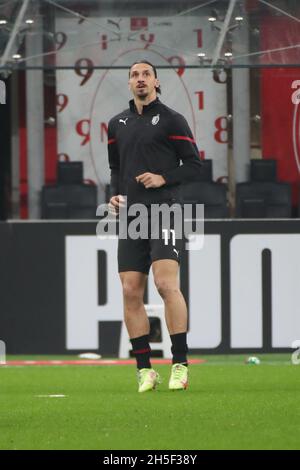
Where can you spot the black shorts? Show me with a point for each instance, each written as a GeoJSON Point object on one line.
{"type": "Point", "coordinates": [138, 254]}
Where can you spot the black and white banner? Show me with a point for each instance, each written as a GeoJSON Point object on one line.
{"type": "Point", "coordinates": [60, 290]}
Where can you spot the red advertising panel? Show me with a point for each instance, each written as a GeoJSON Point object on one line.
{"type": "Point", "coordinates": [280, 90]}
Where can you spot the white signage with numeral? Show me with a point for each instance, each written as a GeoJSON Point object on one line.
{"type": "Point", "coordinates": [87, 98]}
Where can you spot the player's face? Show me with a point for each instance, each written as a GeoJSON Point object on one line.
{"type": "Point", "coordinates": [142, 81]}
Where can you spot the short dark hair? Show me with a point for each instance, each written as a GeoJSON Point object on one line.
{"type": "Point", "coordinates": [157, 88]}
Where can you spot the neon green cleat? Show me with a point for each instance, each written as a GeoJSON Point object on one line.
{"type": "Point", "coordinates": [148, 379]}
{"type": "Point", "coordinates": [179, 377]}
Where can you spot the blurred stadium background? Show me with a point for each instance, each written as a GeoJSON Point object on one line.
{"type": "Point", "coordinates": [231, 67]}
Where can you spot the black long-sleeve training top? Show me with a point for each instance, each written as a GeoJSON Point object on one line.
{"type": "Point", "coordinates": [156, 141]}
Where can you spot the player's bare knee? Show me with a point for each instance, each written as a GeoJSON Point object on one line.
{"type": "Point", "coordinates": [132, 292]}
{"type": "Point", "coordinates": [166, 288]}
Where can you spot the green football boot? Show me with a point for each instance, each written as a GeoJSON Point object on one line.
{"type": "Point", "coordinates": [179, 377]}
{"type": "Point", "coordinates": [148, 379]}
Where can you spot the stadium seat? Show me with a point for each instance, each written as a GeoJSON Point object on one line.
{"type": "Point", "coordinates": [69, 202]}
{"type": "Point", "coordinates": [263, 170]}
{"type": "Point", "coordinates": [212, 195]}
{"type": "Point", "coordinates": [70, 198]}
{"type": "Point", "coordinates": [69, 173]}
{"type": "Point", "coordinates": [207, 170]}
{"type": "Point", "coordinates": [263, 200]}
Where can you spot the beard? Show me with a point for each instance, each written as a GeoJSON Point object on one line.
{"type": "Point", "coordinates": [142, 93]}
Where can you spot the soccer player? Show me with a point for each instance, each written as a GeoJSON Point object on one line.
{"type": "Point", "coordinates": [151, 152]}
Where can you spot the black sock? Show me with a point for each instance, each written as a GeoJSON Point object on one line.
{"type": "Point", "coordinates": [141, 350]}
{"type": "Point", "coordinates": [179, 348]}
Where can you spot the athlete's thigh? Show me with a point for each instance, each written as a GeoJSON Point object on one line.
{"type": "Point", "coordinates": [166, 271]}
{"type": "Point", "coordinates": [134, 255]}
{"type": "Point", "coordinates": [169, 243]}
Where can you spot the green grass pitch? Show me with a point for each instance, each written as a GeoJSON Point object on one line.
{"type": "Point", "coordinates": [229, 405]}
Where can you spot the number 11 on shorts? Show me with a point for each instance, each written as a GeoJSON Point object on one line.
{"type": "Point", "coordinates": [167, 237]}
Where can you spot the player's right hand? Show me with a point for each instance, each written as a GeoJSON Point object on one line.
{"type": "Point", "coordinates": [115, 203]}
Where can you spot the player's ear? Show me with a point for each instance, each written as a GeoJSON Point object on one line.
{"type": "Point", "coordinates": [157, 84]}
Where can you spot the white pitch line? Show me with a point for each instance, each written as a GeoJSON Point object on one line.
{"type": "Point", "coordinates": [50, 396]}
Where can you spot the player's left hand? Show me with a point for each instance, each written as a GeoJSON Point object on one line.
{"type": "Point", "coordinates": [151, 180]}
